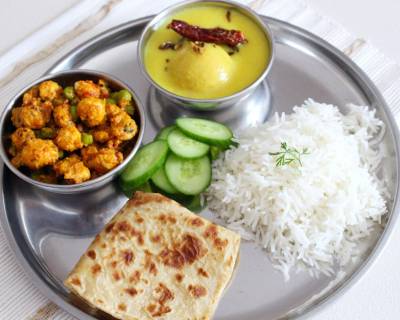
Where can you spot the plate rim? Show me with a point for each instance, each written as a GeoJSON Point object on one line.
{"type": "Point", "coordinates": [308, 310]}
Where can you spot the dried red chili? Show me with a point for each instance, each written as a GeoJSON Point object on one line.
{"type": "Point", "coordinates": [231, 38]}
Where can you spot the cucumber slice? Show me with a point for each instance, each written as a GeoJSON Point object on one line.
{"type": "Point", "coordinates": [214, 152]}
{"type": "Point", "coordinates": [144, 164]}
{"type": "Point", "coordinates": [188, 176]}
{"type": "Point", "coordinates": [206, 131]}
{"type": "Point", "coordinates": [146, 187]}
{"type": "Point", "coordinates": [161, 181]}
{"type": "Point", "coordinates": [163, 134]}
{"type": "Point", "coordinates": [194, 204]}
{"type": "Point", "coordinates": [186, 147]}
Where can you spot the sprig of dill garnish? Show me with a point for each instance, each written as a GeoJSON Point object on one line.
{"type": "Point", "coordinates": [287, 155]}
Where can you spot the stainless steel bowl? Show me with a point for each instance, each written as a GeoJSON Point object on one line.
{"type": "Point", "coordinates": [67, 78]}
{"type": "Point", "coordinates": [205, 104]}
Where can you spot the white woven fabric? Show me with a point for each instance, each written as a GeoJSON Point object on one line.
{"type": "Point", "coordinates": [19, 299]}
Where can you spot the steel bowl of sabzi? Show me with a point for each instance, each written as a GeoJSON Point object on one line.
{"type": "Point", "coordinates": [71, 131]}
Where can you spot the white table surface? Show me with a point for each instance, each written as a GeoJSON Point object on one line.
{"type": "Point", "coordinates": [377, 295]}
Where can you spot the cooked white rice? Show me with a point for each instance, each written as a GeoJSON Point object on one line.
{"type": "Point", "coordinates": [310, 216]}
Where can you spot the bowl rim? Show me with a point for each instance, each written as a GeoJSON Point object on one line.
{"type": "Point", "coordinates": [90, 184]}
{"type": "Point", "coordinates": [178, 6]}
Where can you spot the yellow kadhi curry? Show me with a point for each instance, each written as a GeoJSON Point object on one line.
{"type": "Point", "coordinates": [206, 70]}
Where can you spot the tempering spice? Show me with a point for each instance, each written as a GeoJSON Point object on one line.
{"type": "Point", "coordinates": [231, 38]}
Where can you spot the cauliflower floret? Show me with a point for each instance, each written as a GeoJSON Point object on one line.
{"type": "Point", "coordinates": [114, 143]}
{"type": "Point", "coordinates": [22, 136]}
{"type": "Point", "coordinates": [104, 90]}
{"type": "Point", "coordinates": [30, 95]}
{"type": "Point", "coordinates": [46, 108]}
{"type": "Point", "coordinates": [123, 127]}
{"type": "Point", "coordinates": [88, 153]}
{"type": "Point", "coordinates": [72, 169]}
{"type": "Point", "coordinates": [36, 154]}
{"type": "Point", "coordinates": [92, 111]}
{"type": "Point", "coordinates": [112, 110]}
{"type": "Point", "coordinates": [87, 88]}
{"type": "Point", "coordinates": [69, 139]}
{"type": "Point", "coordinates": [49, 90]}
{"type": "Point", "coordinates": [101, 135]}
{"type": "Point", "coordinates": [62, 115]}
{"type": "Point", "coordinates": [35, 115]}
{"type": "Point", "coordinates": [101, 160]}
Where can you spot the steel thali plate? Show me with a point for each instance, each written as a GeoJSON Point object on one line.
{"type": "Point", "coordinates": [48, 232]}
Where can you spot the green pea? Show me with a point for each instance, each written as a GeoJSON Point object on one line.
{"type": "Point", "coordinates": [114, 96]}
{"type": "Point", "coordinates": [125, 95]}
{"type": "Point", "coordinates": [87, 139]}
{"type": "Point", "coordinates": [46, 133]}
{"type": "Point", "coordinates": [121, 95]}
{"type": "Point", "coordinates": [130, 109]}
{"type": "Point", "coordinates": [60, 154]}
{"type": "Point", "coordinates": [69, 93]}
{"type": "Point", "coordinates": [111, 101]}
{"type": "Point", "coordinates": [74, 112]}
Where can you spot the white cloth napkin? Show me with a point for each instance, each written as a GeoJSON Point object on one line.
{"type": "Point", "coordinates": [19, 299]}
